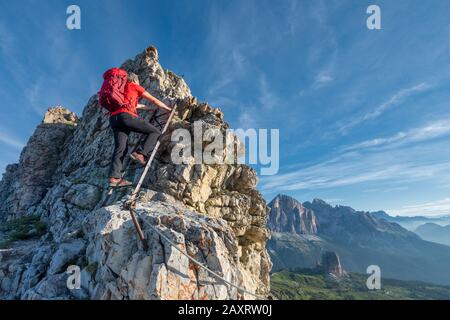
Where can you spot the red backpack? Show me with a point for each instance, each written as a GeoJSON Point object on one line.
{"type": "Point", "coordinates": [112, 93]}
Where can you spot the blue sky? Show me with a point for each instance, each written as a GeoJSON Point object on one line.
{"type": "Point", "coordinates": [364, 115]}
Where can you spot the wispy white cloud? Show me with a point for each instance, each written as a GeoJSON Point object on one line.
{"type": "Point", "coordinates": [59, 64]}
{"type": "Point", "coordinates": [324, 53]}
{"type": "Point", "coordinates": [334, 200]}
{"type": "Point", "coordinates": [430, 208]}
{"type": "Point", "coordinates": [422, 162]}
{"type": "Point", "coordinates": [248, 119]}
{"type": "Point", "coordinates": [292, 17]}
{"type": "Point", "coordinates": [322, 78]}
{"type": "Point", "coordinates": [429, 131]}
{"type": "Point", "coordinates": [228, 52]}
{"type": "Point", "coordinates": [9, 50]}
{"type": "Point", "coordinates": [396, 99]}
{"type": "Point", "coordinates": [231, 53]}
{"type": "Point", "coordinates": [6, 38]}
{"type": "Point", "coordinates": [33, 93]}
{"type": "Point", "coordinates": [386, 190]}
{"type": "Point", "coordinates": [10, 140]}
{"type": "Point", "coordinates": [267, 98]}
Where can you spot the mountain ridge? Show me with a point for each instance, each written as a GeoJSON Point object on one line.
{"type": "Point", "coordinates": [434, 232]}
{"type": "Point", "coordinates": [288, 215]}
{"type": "Point", "coordinates": [361, 240]}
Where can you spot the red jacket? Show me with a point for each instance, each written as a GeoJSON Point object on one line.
{"type": "Point", "coordinates": [133, 93]}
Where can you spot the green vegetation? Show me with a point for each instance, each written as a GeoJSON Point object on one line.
{"type": "Point", "coordinates": [4, 243]}
{"type": "Point", "coordinates": [78, 181]}
{"type": "Point", "coordinates": [92, 268]}
{"type": "Point", "coordinates": [23, 228]}
{"type": "Point", "coordinates": [309, 284]}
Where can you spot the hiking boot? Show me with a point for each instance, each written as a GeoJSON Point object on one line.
{"type": "Point", "coordinates": [117, 183]}
{"type": "Point", "coordinates": [137, 157]}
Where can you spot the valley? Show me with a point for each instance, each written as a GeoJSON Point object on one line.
{"type": "Point", "coordinates": [309, 284]}
{"type": "Point", "coordinates": [359, 238]}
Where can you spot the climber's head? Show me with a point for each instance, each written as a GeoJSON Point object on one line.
{"type": "Point", "coordinates": [132, 77]}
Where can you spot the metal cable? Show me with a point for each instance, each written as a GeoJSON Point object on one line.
{"type": "Point", "coordinates": [197, 262]}
{"type": "Point", "coordinates": [131, 203]}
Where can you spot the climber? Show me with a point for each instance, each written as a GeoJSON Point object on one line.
{"type": "Point", "coordinates": [125, 120]}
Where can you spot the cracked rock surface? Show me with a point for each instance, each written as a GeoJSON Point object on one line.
{"type": "Point", "coordinates": [213, 212]}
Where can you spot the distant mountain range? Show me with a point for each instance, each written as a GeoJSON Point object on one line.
{"type": "Point", "coordinates": [434, 232]}
{"type": "Point", "coordinates": [412, 223]}
{"type": "Point", "coordinates": [303, 231]}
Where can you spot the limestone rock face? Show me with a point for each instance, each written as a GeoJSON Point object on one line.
{"type": "Point", "coordinates": [212, 211]}
{"type": "Point", "coordinates": [25, 184]}
{"type": "Point", "coordinates": [289, 215]}
{"type": "Point", "coordinates": [126, 271]}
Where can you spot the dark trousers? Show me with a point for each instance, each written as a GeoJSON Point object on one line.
{"type": "Point", "coordinates": [122, 125]}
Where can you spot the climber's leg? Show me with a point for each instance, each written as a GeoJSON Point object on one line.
{"type": "Point", "coordinates": [120, 148]}
{"type": "Point", "coordinates": [142, 126]}
{"type": "Point", "coordinates": [149, 143]}
{"type": "Point", "coordinates": [124, 148]}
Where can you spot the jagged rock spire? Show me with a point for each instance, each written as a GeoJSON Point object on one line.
{"type": "Point", "coordinates": [25, 185]}
{"type": "Point", "coordinates": [288, 215]}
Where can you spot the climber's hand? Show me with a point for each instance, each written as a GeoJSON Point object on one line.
{"type": "Point", "coordinates": [155, 101]}
{"type": "Point", "coordinates": [162, 105]}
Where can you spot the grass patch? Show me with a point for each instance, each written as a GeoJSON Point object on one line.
{"type": "Point", "coordinates": [22, 228]}
{"type": "Point", "coordinates": [92, 268]}
{"type": "Point", "coordinates": [312, 285]}
{"type": "Point", "coordinates": [5, 244]}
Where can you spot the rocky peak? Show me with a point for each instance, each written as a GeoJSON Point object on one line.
{"type": "Point", "coordinates": [212, 212]}
{"type": "Point", "coordinates": [288, 215]}
{"type": "Point", "coordinates": [60, 115]}
{"type": "Point", "coordinates": [317, 204]}
{"type": "Point", "coordinates": [317, 201]}
{"type": "Point", "coordinates": [24, 185]}
{"type": "Point", "coordinates": [330, 264]}
{"type": "Point", "coordinates": [347, 225]}
{"type": "Point", "coordinates": [380, 215]}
